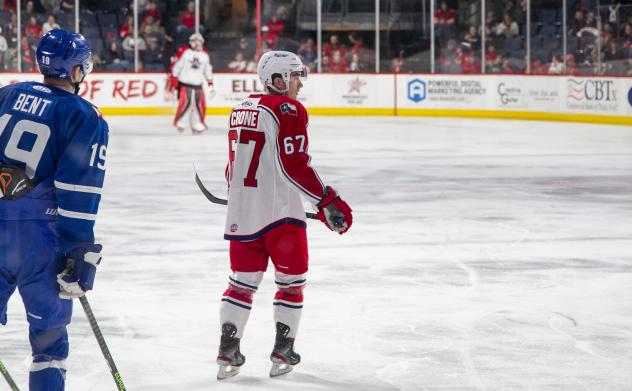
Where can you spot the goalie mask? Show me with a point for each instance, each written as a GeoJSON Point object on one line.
{"type": "Point", "coordinates": [284, 64]}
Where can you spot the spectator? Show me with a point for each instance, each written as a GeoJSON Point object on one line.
{"type": "Point", "coordinates": [490, 23]}
{"type": "Point", "coordinates": [11, 31]}
{"type": "Point", "coordinates": [252, 64]}
{"type": "Point", "coordinates": [50, 6]}
{"type": "Point", "coordinates": [506, 67]}
{"type": "Point", "coordinates": [627, 66]}
{"type": "Point", "coordinates": [356, 43]}
{"type": "Point", "coordinates": [571, 66]}
{"type": "Point", "coordinates": [50, 24]}
{"type": "Point", "coordinates": [115, 60]}
{"type": "Point", "coordinates": [470, 64]}
{"type": "Point", "coordinates": [187, 18]}
{"type": "Point", "coordinates": [97, 62]}
{"type": "Point", "coordinates": [129, 43]}
{"type": "Point", "coordinates": [507, 28]}
{"type": "Point", "coordinates": [245, 48]}
{"type": "Point", "coordinates": [537, 67]}
{"type": "Point", "coordinates": [9, 5]}
{"type": "Point", "coordinates": [275, 27]}
{"type": "Point", "coordinates": [29, 10]}
{"type": "Point", "coordinates": [338, 63]}
{"type": "Point", "coordinates": [33, 31]}
{"type": "Point", "coordinates": [4, 52]}
{"type": "Point", "coordinates": [577, 23]}
{"type": "Point", "coordinates": [325, 66]}
{"type": "Point", "coordinates": [626, 40]}
{"type": "Point", "coordinates": [612, 59]}
{"type": "Point", "coordinates": [151, 10]}
{"type": "Point", "coordinates": [493, 61]}
{"type": "Point", "coordinates": [444, 19]}
{"type": "Point", "coordinates": [450, 58]}
{"type": "Point", "coordinates": [238, 65]}
{"type": "Point", "coordinates": [67, 6]}
{"type": "Point", "coordinates": [471, 39]}
{"type": "Point", "coordinates": [590, 20]}
{"type": "Point", "coordinates": [153, 57]}
{"type": "Point", "coordinates": [307, 52]}
{"type": "Point", "coordinates": [28, 63]}
{"type": "Point", "coordinates": [397, 63]}
{"type": "Point", "coordinates": [556, 67]}
{"type": "Point", "coordinates": [334, 45]}
{"type": "Point", "coordinates": [127, 28]}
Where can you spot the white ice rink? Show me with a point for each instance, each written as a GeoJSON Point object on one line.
{"type": "Point", "coordinates": [484, 255]}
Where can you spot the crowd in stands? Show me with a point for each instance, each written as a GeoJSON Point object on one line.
{"type": "Point", "coordinates": [589, 50]}
{"type": "Point", "coordinates": [165, 25]}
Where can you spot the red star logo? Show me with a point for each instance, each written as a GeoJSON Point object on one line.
{"type": "Point", "coordinates": [356, 84]}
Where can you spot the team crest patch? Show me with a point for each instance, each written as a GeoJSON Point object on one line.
{"type": "Point", "coordinates": [288, 108]}
{"type": "Point", "coordinates": [233, 228]}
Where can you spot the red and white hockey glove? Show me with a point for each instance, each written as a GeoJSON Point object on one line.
{"type": "Point", "coordinates": [334, 212]}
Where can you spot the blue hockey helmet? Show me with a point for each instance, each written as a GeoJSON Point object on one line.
{"type": "Point", "coordinates": [59, 51]}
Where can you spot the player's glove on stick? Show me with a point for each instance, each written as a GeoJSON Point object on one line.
{"type": "Point", "coordinates": [81, 267]}
{"type": "Point", "coordinates": [334, 212]}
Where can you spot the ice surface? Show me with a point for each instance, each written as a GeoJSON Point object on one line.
{"type": "Point", "coordinates": [484, 255]}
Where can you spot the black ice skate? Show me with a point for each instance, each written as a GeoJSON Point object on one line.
{"type": "Point", "coordinates": [229, 357]}
{"type": "Point", "coordinates": [283, 356]}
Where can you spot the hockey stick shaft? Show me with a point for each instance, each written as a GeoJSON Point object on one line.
{"type": "Point", "coordinates": [221, 201]}
{"type": "Point", "coordinates": [7, 377]}
{"type": "Point", "coordinates": [104, 347]}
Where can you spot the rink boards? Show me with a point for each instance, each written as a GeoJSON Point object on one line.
{"type": "Point", "coordinates": [558, 98]}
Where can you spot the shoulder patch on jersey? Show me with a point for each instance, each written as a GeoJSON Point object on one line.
{"type": "Point", "coordinates": [42, 88]}
{"type": "Point", "coordinates": [288, 108]}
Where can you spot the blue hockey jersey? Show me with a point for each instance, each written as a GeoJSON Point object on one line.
{"type": "Point", "coordinates": [60, 140]}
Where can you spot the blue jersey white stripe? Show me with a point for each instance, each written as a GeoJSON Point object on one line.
{"type": "Point", "coordinates": [79, 188]}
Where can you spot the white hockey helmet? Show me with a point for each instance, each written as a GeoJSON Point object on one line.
{"type": "Point", "coordinates": [279, 63]}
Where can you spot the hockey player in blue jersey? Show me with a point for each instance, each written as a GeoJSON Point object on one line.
{"type": "Point", "coordinates": [52, 165]}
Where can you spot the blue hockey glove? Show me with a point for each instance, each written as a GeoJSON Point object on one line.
{"type": "Point", "coordinates": [81, 267]}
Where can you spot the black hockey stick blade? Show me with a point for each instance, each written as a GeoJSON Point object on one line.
{"type": "Point", "coordinates": [208, 194]}
{"type": "Point", "coordinates": [104, 347]}
{"type": "Point", "coordinates": [221, 201]}
{"type": "Point", "coordinates": [7, 377]}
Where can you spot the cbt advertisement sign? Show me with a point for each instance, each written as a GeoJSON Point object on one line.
{"type": "Point", "coordinates": [592, 95]}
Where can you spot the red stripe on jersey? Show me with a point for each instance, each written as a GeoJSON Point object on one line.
{"type": "Point", "coordinates": [293, 143]}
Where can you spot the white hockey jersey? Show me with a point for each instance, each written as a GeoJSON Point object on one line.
{"type": "Point", "coordinates": [193, 68]}
{"type": "Point", "coordinates": [268, 169]}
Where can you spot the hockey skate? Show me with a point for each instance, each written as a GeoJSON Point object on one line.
{"type": "Point", "coordinates": [283, 356]}
{"type": "Point", "coordinates": [229, 357]}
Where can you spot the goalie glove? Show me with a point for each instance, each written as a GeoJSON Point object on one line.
{"type": "Point", "coordinates": [334, 212]}
{"type": "Point", "coordinates": [81, 268]}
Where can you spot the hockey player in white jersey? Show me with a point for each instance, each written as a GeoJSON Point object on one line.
{"type": "Point", "coordinates": [194, 72]}
{"type": "Point", "coordinates": [268, 172]}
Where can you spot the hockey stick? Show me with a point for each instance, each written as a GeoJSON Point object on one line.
{"type": "Point", "coordinates": [104, 348]}
{"type": "Point", "coordinates": [221, 201]}
{"type": "Point", "coordinates": [8, 378]}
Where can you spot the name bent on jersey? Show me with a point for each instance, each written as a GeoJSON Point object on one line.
{"type": "Point", "coordinates": [59, 140]}
{"type": "Point", "coordinates": [268, 167]}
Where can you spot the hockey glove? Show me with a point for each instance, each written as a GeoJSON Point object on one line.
{"type": "Point", "coordinates": [81, 267]}
{"type": "Point", "coordinates": [334, 212]}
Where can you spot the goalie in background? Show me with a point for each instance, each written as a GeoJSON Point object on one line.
{"type": "Point", "coordinates": [193, 71]}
